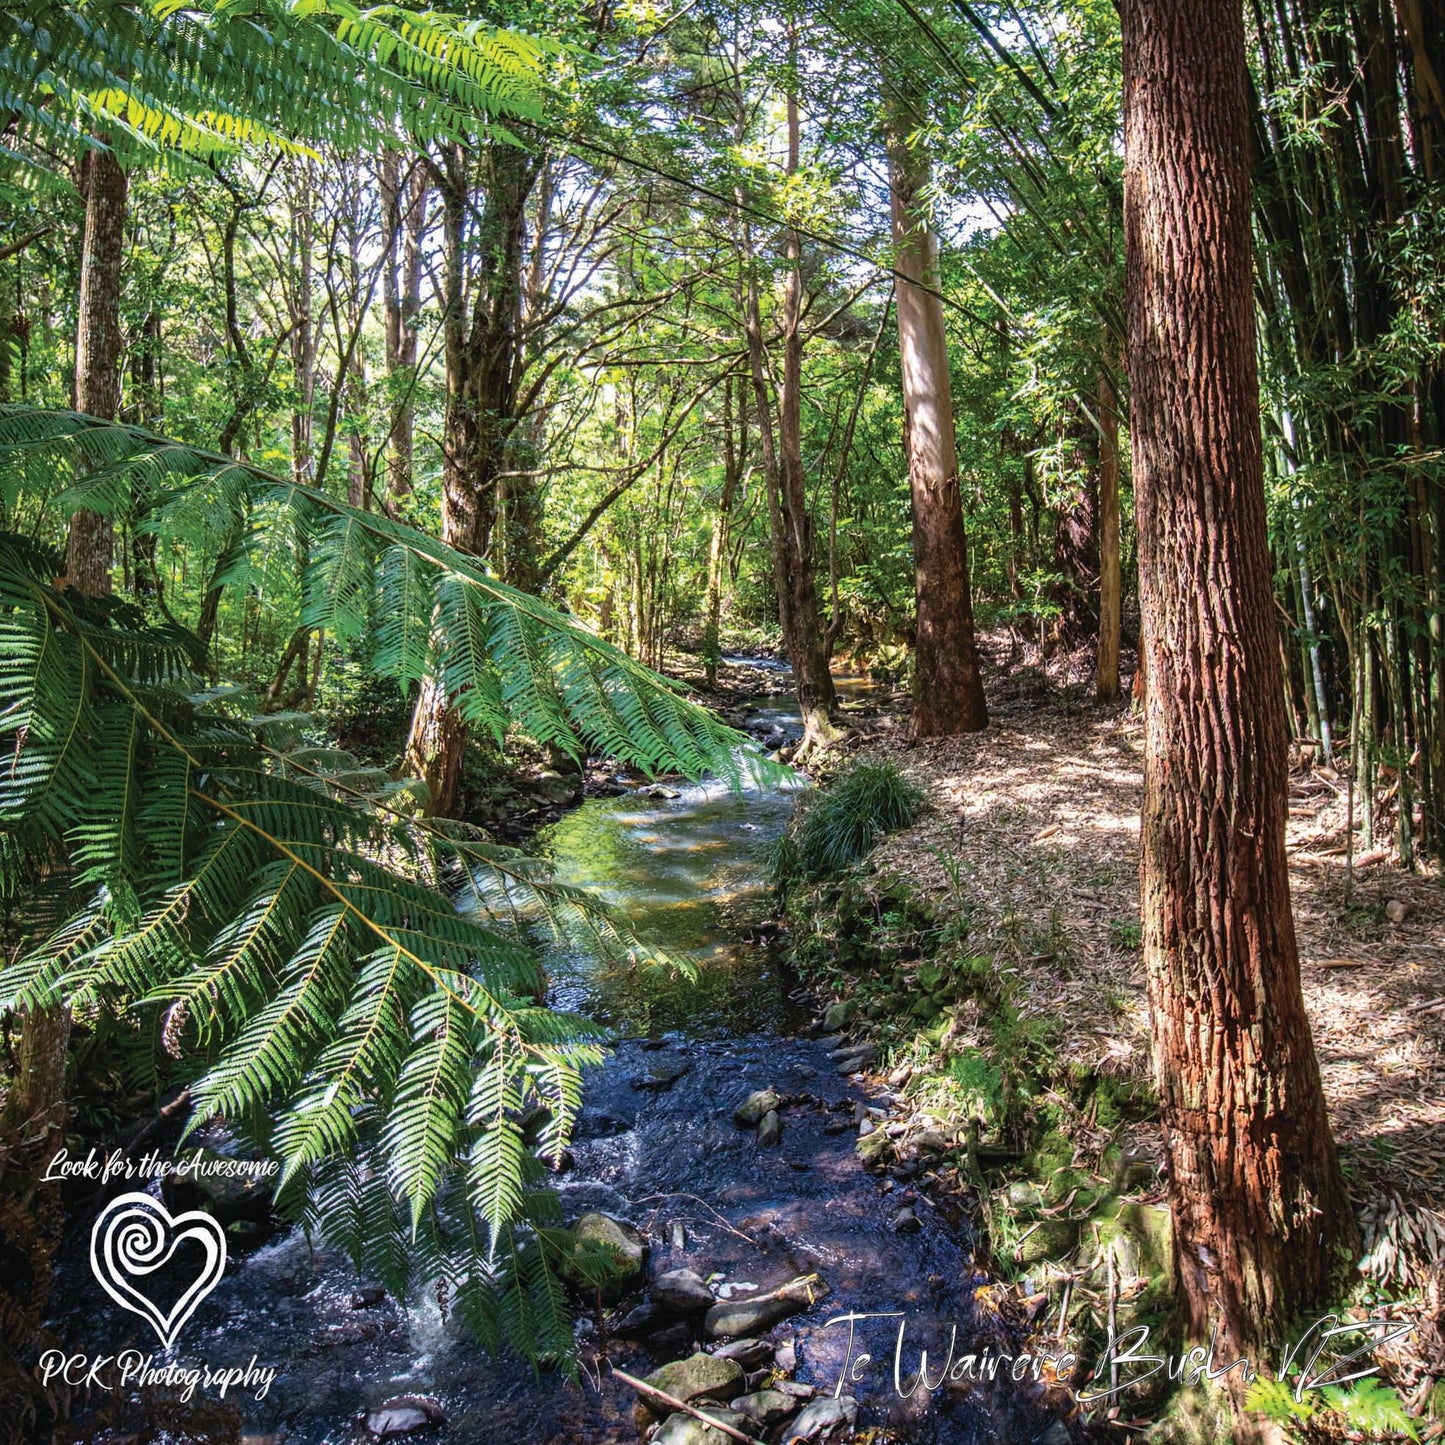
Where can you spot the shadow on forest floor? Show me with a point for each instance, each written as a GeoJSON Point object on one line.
{"type": "Point", "coordinates": [1040, 815]}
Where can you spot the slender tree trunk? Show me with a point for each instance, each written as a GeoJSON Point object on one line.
{"type": "Point", "coordinates": [1106, 672]}
{"type": "Point", "coordinates": [303, 332]}
{"type": "Point", "coordinates": [735, 451]}
{"type": "Point", "coordinates": [947, 685]}
{"type": "Point", "coordinates": [789, 524]}
{"type": "Point", "coordinates": [1262, 1219]}
{"type": "Point", "coordinates": [407, 206]}
{"type": "Point", "coordinates": [1076, 544]}
{"type": "Point", "coordinates": [34, 1119]}
{"type": "Point", "coordinates": [98, 343]}
{"type": "Point", "coordinates": [358, 493]}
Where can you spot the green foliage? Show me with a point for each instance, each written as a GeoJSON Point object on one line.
{"type": "Point", "coordinates": [1368, 1405]}
{"type": "Point", "coordinates": [348, 980]}
{"type": "Point", "coordinates": [838, 825]}
{"type": "Point", "coordinates": [205, 79]}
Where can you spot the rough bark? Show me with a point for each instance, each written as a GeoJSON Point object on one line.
{"type": "Point", "coordinates": [484, 367]}
{"type": "Point", "coordinates": [98, 344]}
{"type": "Point", "coordinates": [947, 685]}
{"type": "Point", "coordinates": [1106, 667]}
{"type": "Point", "coordinates": [1262, 1220]}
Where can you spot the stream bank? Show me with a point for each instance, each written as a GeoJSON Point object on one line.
{"type": "Point", "coordinates": [748, 1208]}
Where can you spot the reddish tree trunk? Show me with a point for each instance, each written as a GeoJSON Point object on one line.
{"type": "Point", "coordinates": [947, 686]}
{"type": "Point", "coordinates": [1106, 669]}
{"type": "Point", "coordinates": [1262, 1219]}
{"type": "Point", "coordinates": [91, 542]}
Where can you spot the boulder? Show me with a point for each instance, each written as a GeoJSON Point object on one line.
{"type": "Point", "coordinates": [749, 1113]}
{"type": "Point", "coordinates": [874, 1148]}
{"type": "Point", "coordinates": [748, 1353]}
{"type": "Point", "coordinates": [675, 1342]}
{"type": "Point", "coordinates": [662, 1076]}
{"type": "Point", "coordinates": [555, 789]}
{"type": "Point", "coordinates": [623, 1246]}
{"type": "Point", "coordinates": [770, 1130]}
{"type": "Point", "coordinates": [681, 1292]}
{"type": "Point", "coordinates": [839, 1015]}
{"type": "Point", "coordinates": [699, 1377]}
{"type": "Point", "coordinates": [855, 1059]}
{"type": "Point", "coordinates": [765, 1408]}
{"type": "Point", "coordinates": [680, 1429]}
{"type": "Point", "coordinates": [753, 1316]}
{"type": "Point", "coordinates": [821, 1418]}
{"type": "Point", "coordinates": [404, 1415]}
{"type": "Point", "coordinates": [229, 1196]}
{"type": "Point", "coordinates": [1053, 1240]}
{"type": "Point", "coordinates": [906, 1221]}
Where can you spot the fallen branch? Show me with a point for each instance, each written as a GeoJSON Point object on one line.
{"type": "Point", "coordinates": [642, 1387]}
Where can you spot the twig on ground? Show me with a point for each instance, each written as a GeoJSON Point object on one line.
{"type": "Point", "coordinates": [642, 1387]}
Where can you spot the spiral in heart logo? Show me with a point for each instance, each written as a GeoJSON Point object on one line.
{"type": "Point", "coordinates": [134, 1236]}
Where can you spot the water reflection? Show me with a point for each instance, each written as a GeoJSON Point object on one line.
{"type": "Point", "coordinates": [690, 876]}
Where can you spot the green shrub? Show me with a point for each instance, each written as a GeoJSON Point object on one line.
{"type": "Point", "coordinates": [838, 826]}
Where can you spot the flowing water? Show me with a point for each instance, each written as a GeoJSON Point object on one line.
{"type": "Point", "coordinates": [689, 871]}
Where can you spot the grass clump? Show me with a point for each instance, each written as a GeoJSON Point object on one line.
{"type": "Point", "coordinates": [838, 826]}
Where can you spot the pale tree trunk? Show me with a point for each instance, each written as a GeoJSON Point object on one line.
{"type": "Point", "coordinates": [789, 525]}
{"type": "Point", "coordinates": [735, 451]}
{"type": "Point", "coordinates": [358, 493]}
{"type": "Point", "coordinates": [98, 343]}
{"type": "Point", "coordinates": [947, 686]}
{"type": "Point", "coordinates": [303, 332]}
{"type": "Point", "coordinates": [1106, 670]}
{"type": "Point", "coordinates": [1263, 1224]}
{"type": "Point", "coordinates": [407, 207]}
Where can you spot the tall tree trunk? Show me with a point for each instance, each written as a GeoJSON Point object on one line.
{"type": "Point", "coordinates": [1262, 1220]}
{"type": "Point", "coordinates": [358, 492]}
{"type": "Point", "coordinates": [1076, 542]}
{"type": "Point", "coordinates": [407, 206]}
{"type": "Point", "coordinates": [34, 1119]}
{"type": "Point", "coordinates": [483, 376]}
{"type": "Point", "coordinates": [947, 686]}
{"type": "Point", "coordinates": [303, 331]}
{"type": "Point", "coordinates": [1106, 667]}
{"type": "Point", "coordinates": [735, 451]}
{"type": "Point", "coordinates": [789, 525]}
{"type": "Point", "coordinates": [91, 542]}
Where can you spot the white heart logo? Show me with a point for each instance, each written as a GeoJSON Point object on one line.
{"type": "Point", "coordinates": [134, 1236]}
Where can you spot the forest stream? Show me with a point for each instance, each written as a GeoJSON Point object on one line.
{"type": "Point", "coordinates": [656, 1146]}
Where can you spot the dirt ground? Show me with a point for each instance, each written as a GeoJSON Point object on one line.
{"type": "Point", "coordinates": [1035, 825]}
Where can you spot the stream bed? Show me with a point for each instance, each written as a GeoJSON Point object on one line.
{"type": "Point", "coordinates": [656, 1146]}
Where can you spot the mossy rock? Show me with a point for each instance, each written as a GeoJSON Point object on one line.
{"type": "Point", "coordinates": [1142, 1236]}
{"type": "Point", "coordinates": [608, 1246]}
{"type": "Point", "coordinates": [1054, 1239]}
